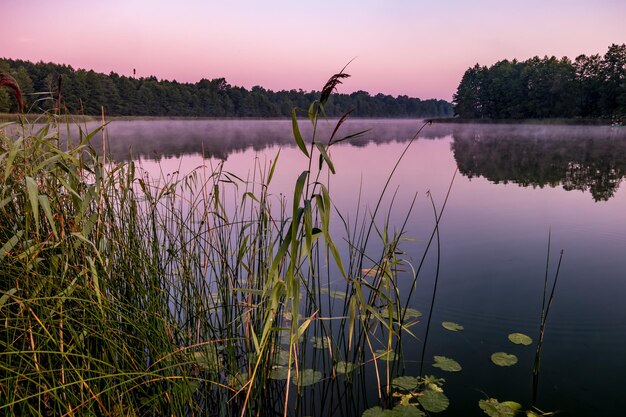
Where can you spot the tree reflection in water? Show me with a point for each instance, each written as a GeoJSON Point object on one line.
{"type": "Point", "coordinates": [575, 157]}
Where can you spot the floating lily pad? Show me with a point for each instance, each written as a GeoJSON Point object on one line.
{"type": "Point", "coordinates": [407, 411]}
{"type": "Point", "coordinates": [383, 355]}
{"type": "Point", "coordinates": [398, 411]}
{"type": "Point", "coordinates": [340, 295]}
{"type": "Point", "coordinates": [307, 377]}
{"type": "Point", "coordinates": [206, 360]}
{"type": "Point", "coordinates": [406, 383]}
{"type": "Point", "coordinates": [504, 359]}
{"type": "Point", "coordinates": [342, 367]}
{"type": "Point", "coordinates": [319, 342]}
{"type": "Point", "coordinates": [453, 327]}
{"type": "Point", "coordinates": [238, 381]}
{"type": "Point", "coordinates": [447, 364]}
{"type": "Point", "coordinates": [433, 401]}
{"type": "Point", "coordinates": [283, 357]}
{"type": "Point", "coordinates": [279, 373]}
{"type": "Point", "coordinates": [520, 339]}
{"type": "Point", "coordinates": [409, 313]}
{"type": "Point", "coordinates": [373, 412]}
{"type": "Point", "coordinates": [285, 337]}
{"type": "Point", "coordinates": [494, 408]}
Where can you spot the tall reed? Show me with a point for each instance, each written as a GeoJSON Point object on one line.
{"type": "Point", "coordinates": [126, 294]}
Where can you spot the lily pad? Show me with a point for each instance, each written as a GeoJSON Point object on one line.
{"type": "Point", "coordinates": [279, 373]}
{"type": "Point", "coordinates": [447, 364]}
{"type": "Point", "coordinates": [433, 401]}
{"type": "Point", "coordinates": [238, 381]}
{"type": "Point", "coordinates": [343, 367]}
{"type": "Point", "coordinates": [504, 359]}
{"type": "Point", "coordinates": [341, 295]}
{"type": "Point", "coordinates": [398, 411]}
{"type": "Point", "coordinates": [307, 377]}
{"type": "Point", "coordinates": [406, 383]}
{"type": "Point", "coordinates": [384, 355]}
{"type": "Point", "coordinates": [407, 411]}
{"type": "Point", "coordinates": [319, 342]}
{"type": "Point", "coordinates": [453, 327]}
{"type": "Point", "coordinates": [374, 412]}
{"type": "Point", "coordinates": [494, 408]}
{"type": "Point", "coordinates": [409, 313]}
{"type": "Point", "coordinates": [285, 338]}
{"type": "Point", "coordinates": [520, 339]}
{"type": "Point", "coordinates": [283, 357]}
{"type": "Point", "coordinates": [206, 360]}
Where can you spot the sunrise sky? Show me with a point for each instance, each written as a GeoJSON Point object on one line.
{"type": "Point", "coordinates": [417, 48]}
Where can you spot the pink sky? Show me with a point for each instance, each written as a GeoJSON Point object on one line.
{"type": "Point", "coordinates": [410, 47]}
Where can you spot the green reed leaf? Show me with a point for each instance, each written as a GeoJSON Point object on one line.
{"type": "Point", "coordinates": [5, 297]}
{"type": "Point", "coordinates": [296, 133]}
{"type": "Point", "coordinates": [272, 168]}
{"type": "Point", "coordinates": [15, 147]}
{"type": "Point", "coordinates": [33, 196]}
{"type": "Point", "coordinates": [10, 244]}
{"type": "Point", "coordinates": [325, 158]}
{"type": "Point", "coordinates": [45, 205]}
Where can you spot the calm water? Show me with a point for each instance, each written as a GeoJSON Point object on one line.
{"type": "Point", "coordinates": [516, 184]}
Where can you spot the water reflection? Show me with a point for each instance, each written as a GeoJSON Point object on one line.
{"type": "Point", "coordinates": [585, 158]}
{"type": "Point", "coordinates": [577, 158]}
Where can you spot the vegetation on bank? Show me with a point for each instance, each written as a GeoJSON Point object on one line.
{"type": "Point", "coordinates": [122, 294]}
{"type": "Point", "coordinates": [85, 92]}
{"type": "Point", "coordinates": [538, 88]}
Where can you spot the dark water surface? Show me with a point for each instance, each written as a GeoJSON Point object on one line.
{"type": "Point", "coordinates": [515, 186]}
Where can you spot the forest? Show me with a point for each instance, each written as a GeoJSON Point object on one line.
{"type": "Point", "coordinates": [48, 86]}
{"type": "Point", "coordinates": [587, 87]}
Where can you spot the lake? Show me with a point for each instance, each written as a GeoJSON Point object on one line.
{"type": "Point", "coordinates": [517, 186]}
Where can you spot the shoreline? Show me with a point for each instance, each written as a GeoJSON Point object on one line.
{"type": "Point", "coordinates": [34, 117]}
{"type": "Point", "coordinates": [555, 121]}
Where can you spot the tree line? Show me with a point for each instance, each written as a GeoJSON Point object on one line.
{"type": "Point", "coordinates": [46, 86]}
{"type": "Point", "coordinates": [587, 87]}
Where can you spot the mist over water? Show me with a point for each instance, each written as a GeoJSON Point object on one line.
{"type": "Point", "coordinates": [585, 158]}
{"type": "Point", "coordinates": [155, 139]}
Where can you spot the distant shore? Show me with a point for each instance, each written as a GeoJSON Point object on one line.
{"type": "Point", "coordinates": [555, 121]}
{"type": "Point", "coordinates": [33, 117]}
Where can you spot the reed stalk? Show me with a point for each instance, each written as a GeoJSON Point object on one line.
{"type": "Point", "coordinates": [123, 293]}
